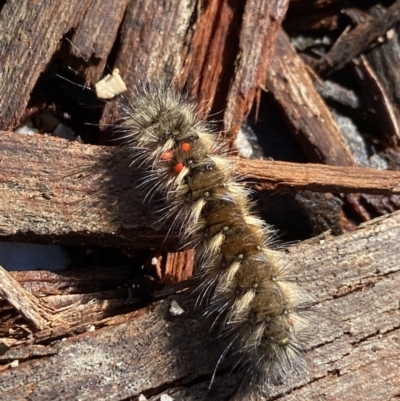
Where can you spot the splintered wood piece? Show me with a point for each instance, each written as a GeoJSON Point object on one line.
{"type": "Point", "coordinates": [70, 301]}
{"type": "Point", "coordinates": [95, 200]}
{"type": "Point", "coordinates": [178, 267]}
{"type": "Point", "coordinates": [380, 87]}
{"type": "Point", "coordinates": [95, 36]}
{"type": "Point", "coordinates": [23, 60]}
{"type": "Point", "coordinates": [359, 39]}
{"type": "Point", "coordinates": [208, 67]}
{"type": "Point", "coordinates": [352, 348]}
{"type": "Point", "coordinates": [307, 115]}
{"type": "Point", "coordinates": [260, 25]}
{"type": "Point", "coordinates": [383, 61]}
{"type": "Point", "coordinates": [275, 175]}
{"type": "Point", "coordinates": [89, 199]}
{"type": "Point", "coordinates": [23, 301]}
{"type": "Point", "coordinates": [65, 282]}
{"type": "Point", "coordinates": [154, 39]}
{"type": "Point", "coordinates": [188, 43]}
{"type": "Point", "coordinates": [110, 86]}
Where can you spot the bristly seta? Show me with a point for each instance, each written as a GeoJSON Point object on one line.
{"type": "Point", "coordinates": [245, 282]}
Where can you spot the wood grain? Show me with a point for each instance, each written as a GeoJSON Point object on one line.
{"type": "Point", "coordinates": [95, 345]}
{"type": "Point", "coordinates": [353, 349]}
{"type": "Point", "coordinates": [39, 27]}
{"type": "Point", "coordinates": [359, 39]}
{"type": "Point", "coordinates": [306, 114]}
{"type": "Point", "coordinates": [53, 190]}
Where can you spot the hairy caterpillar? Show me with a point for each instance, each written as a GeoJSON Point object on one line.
{"type": "Point", "coordinates": [244, 281]}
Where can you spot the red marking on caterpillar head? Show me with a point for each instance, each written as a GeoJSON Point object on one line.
{"type": "Point", "coordinates": [167, 156]}
{"type": "Point", "coordinates": [178, 167]}
{"type": "Point", "coordinates": [185, 147]}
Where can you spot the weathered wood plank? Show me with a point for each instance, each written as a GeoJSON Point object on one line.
{"type": "Point", "coordinates": [56, 190]}
{"type": "Point", "coordinates": [153, 44]}
{"type": "Point", "coordinates": [69, 200]}
{"type": "Point", "coordinates": [353, 345]}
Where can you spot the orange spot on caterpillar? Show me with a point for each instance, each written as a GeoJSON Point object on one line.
{"type": "Point", "coordinates": [167, 156]}
{"type": "Point", "coordinates": [178, 167]}
{"type": "Point", "coordinates": [185, 147]}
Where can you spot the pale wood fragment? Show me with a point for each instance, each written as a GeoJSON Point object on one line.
{"type": "Point", "coordinates": [24, 302]}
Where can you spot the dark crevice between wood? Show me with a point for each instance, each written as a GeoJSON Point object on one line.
{"type": "Point", "coordinates": [376, 335]}
{"type": "Point", "coordinates": [185, 382]}
{"type": "Point", "coordinates": [367, 282]}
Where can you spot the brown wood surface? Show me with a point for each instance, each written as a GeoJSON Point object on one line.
{"type": "Point", "coordinates": [101, 24]}
{"type": "Point", "coordinates": [30, 34]}
{"type": "Point", "coordinates": [307, 116]}
{"type": "Point", "coordinates": [218, 52]}
{"type": "Point", "coordinates": [21, 300]}
{"type": "Point", "coordinates": [359, 39]}
{"type": "Point", "coordinates": [168, 40]}
{"type": "Point", "coordinates": [260, 26]}
{"type": "Point", "coordinates": [54, 304]}
{"type": "Point", "coordinates": [45, 198]}
{"type": "Point", "coordinates": [87, 335]}
{"type": "Point", "coordinates": [314, 15]}
{"type": "Point", "coordinates": [353, 345]}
